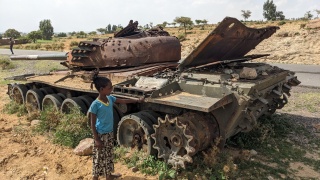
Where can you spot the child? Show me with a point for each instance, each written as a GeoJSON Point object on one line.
{"type": "Point", "coordinates": [101, 111]}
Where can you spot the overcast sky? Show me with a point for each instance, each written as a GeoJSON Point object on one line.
{"type": "Point", "coordinates": [88, 15]}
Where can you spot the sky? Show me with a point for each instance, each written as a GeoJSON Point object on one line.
{"type": "Point", "coordinates": [89, 15]}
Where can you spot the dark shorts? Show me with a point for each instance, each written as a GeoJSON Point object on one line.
{"type": "Point", "coordinates": [103, 158]}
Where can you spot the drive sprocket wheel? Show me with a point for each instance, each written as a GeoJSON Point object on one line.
{"type": "Point", "coordinates": [177, 139]}
{"type": "Point", "coordinates": [172, 140]}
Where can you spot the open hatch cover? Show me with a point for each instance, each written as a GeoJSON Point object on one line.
{"type": "Point", "coordinates": [230, 40]}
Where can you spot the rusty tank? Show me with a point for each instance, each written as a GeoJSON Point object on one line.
{"type": "Point", "coordinates": [214, 93]}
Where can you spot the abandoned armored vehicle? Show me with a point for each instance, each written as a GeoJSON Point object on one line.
{"type": "Point", "coordinates": [213, 93]}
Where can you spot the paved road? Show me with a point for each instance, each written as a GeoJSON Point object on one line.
{"type": "Point", "coordinates": [309, 75]}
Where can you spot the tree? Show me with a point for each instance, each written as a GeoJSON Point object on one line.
{"type": "Point", "coordinates": [246, 14]}
{"type": "Point", "coordinates": [270, 11]}
{"type": "Point", "coordinates": [279, 15]}
{"type": "Point", "coordinates": [198, 21]}
{"type": "Point", "coordinates": [46, 29]}
{"type": "Point", "coordinates": [317, 11]}
{"type": "Point", "coordinates": [308, 15]}
{"type": "Point", "coordinates": [34, 35]}
{"type": "Point", "coordinates": [101, 30]}
{"type": "Point", "coordinates": [62, 34]}
{"type": "Point", "coordinates": [12, 33]}
{"type": "Point", "coordinates": [92, 33]}
{"type": "Point", "coordinates": [183, 21]}
{"type": "Point", "coordinates": [109, 28]}
{"type": "Point", "coordinates": [164, 24]}
{"type": "Point", "coordinates": [72, 33]}
{"type": "Point", "coordinates": [114, 28]}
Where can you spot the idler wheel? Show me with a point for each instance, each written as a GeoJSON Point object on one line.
{"type": "Point", "coordinates": [178, 139]}
{"type": "Point", "coordinates": [135, 131]}
{"type": "Point", "coordinates": [18, 93]}
{"type": "Point", "coordinates": [52, 100]}
{"type": "Point", "coordinates": [71, 103]}
{"type": "Point", "coordinates": [34, 99]}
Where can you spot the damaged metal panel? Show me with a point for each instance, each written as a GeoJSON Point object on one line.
{"type": "Point", "coordinates": [230, 40]}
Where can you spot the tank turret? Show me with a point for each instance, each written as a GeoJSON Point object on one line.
{"type": "Point", "coordinates": [130, 47]}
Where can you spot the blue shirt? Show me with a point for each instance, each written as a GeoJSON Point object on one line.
{"type": "Point", "coordinates": [104, 113]}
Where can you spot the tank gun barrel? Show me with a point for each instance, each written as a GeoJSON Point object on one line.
{"type": "Point", "coordinates": [55, 57]}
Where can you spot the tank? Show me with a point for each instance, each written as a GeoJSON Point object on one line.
{"type": "Point", "coordinates": [211, 95]}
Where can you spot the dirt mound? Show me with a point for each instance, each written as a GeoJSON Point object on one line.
{"type": "Point", "coordinates": [314, 24]}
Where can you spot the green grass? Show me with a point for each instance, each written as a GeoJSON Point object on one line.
{"type": "Point", "coordinates": [5, 63]}
{"type": "Point", "coordinates": [144, 163]}
{"type": "Point", "coordinates": [15, 108]}
{"type": "Point", "coordinates": [65, 129]}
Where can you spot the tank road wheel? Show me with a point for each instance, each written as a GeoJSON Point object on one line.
{"type": "Point", "coordinates": [135, 131]}
{"type": "Point", "coordinates": [74, 102]}
{"type": "Point", "coordinates": [9, 91]}
{"type": "Point", "coordinates": [52, 100]}
{"type": "Point", "coordinates": [178, 139]}
{"type": "Point", "coordinates": [47, 90]}
{"type": "Point", "coordinates": [19, 92]}
{"type": "Point", "coordinates": [62, 96]}
{"type": "Point", "coordinates": [34, 99]}
{"type": "Point", "coordinates": [87, 100]}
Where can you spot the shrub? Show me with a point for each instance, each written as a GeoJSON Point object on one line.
{"type": "Point", "coordinates": [281, 23]}
{"type": "Point", "coordinates": [73, 43]}
{"type": "Point", "coordinates": [302, 26]}
{"type": "Point", "coordinates": [181, 37]}
{"type": "Point", "coordinates": [13, 107]}
{"type": "Point", "coordinates": [24, 40]}
{"type": "Point", "coordinates": [72, 129]}
{"type": "Point", "coordinates": [5, 63]}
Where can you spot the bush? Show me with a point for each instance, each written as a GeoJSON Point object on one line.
{"type": "Point", "coordinates": [73, 43]}
{"type": "Point", "coordinates": [66, 129]}
{"type": "Point", "coordinates": [281, 23]}
{"type": "Point", "coordinates": [5, 63]}
{"type": "Point", "coordinates": [181, 37]}
{"type": "Point", "coordinates": [72, 129]}
{"type": "Point", "coordinates": [13, 107]}
{"type": "Point", "coordinates": [24, 40]}
{"type": "Point", "coordinates": [302, 26]}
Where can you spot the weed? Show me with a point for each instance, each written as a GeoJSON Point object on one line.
{"type": "Point", "coordinates": [181, 37]}
{"type": "Point", "coordinates": [49, 120]}
{"type": "Point", "coordinates": [146, 164]}
{"type": "Point", "coordinates": [72, 129]}
{"type": "Point", "coordinates": [13, 107]}
{"type": "Point", "coordinates": [5, 63]}
{"type": "Point", "coordinates": [281, 23]}
{"type": "Point", "coordinates": [74, 43]}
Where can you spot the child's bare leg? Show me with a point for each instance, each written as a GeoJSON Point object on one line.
{"type": "Point", "coordinates": [95, 177]}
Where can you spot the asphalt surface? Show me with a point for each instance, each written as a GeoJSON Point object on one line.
{"type": "Point", "coordinates": [309, 75]}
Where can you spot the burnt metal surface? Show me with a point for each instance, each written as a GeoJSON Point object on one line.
{"type": "Point", "coordinates": [230, 40]}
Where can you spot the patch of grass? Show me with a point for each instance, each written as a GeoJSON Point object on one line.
{"type": "Point", "coordinates": [275, 138]}
{"type": "Point", "coordinates": [49, 120]}
{"type": "Point", "coordinates": [72, 129]}
{"type": "Point", "coordinates": [146, 164]}
{"type": "Point", "coordinates": [15, 108]}
{"type": "Point", "coordinates": [5, 63]}
{"type": "Point", "coordinates": [66, 129]}
{"type": "Point", "coordinates": [309, 101]}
